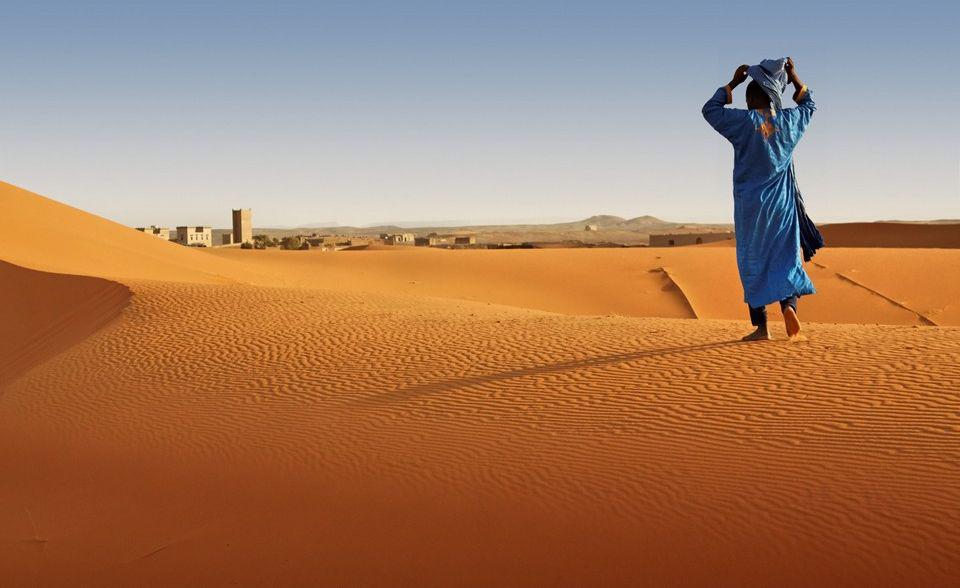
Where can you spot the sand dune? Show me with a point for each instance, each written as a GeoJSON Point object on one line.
{"type": "Point", "coordinates": [896, 235]}
{"type": "Point", "coordinates": [44, 314]}
{"type": "Point", "coordinates": [316, 418]}
{"type": "Point", "coordinates": [897, 287]}
{"type": "Point", "coordinates": [926, 281]}
{"type": "Point", "coordinates": [573, 281]}
{"type": "Point", "coordinates": [46, 235]}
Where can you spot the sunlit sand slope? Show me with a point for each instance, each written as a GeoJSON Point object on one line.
{"type": "Point", "coordinates": [42, 234]}
{"type": "Point", "coordinates": [575, 281]}
{"type": "Point", "coordinates": [864, 286]}
{"type": "Point", "coordinates": [924, 281]}
{"type": "Point", "coordinates": [222, 434]}
{"type": "Point", "coordinates": [899, 235]}
{"type": "Point", "coordinates": [896, 235]}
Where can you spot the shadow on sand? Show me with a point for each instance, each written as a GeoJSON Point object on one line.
{"type": "Point", "coordinates": [428, 388]}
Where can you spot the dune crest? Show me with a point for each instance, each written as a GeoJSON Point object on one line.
{"type": "Point", "coordinates": [43, 234]}
{"type": "Point", "coordinates": [45, 314]}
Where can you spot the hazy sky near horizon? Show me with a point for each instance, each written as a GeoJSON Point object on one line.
{"type": "Point", "coordinates": [360, 112]}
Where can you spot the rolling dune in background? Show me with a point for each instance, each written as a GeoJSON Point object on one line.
{"type": "Point", "coordinates": [895, 235]}
{"type": "Point", "coordinates": [545, 417]}
{"type": "Point", "coordinates": [864, 286]}
{"type": "Point", "coordinates": [46, 235]}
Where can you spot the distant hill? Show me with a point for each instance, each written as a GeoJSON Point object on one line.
{"type": "Point", "coordinates": [611, 229]}
{"type": "Point", "coordinates": [604, 219]}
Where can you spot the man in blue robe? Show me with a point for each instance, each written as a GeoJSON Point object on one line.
{"type": "Point", "coordinates": [764, 195]}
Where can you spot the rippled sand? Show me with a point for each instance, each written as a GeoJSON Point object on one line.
{"type": "Point", "coordinates": [170, 416]}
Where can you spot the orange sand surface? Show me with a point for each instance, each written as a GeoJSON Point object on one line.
{"type": "Point", "coordinates": [545, 417]}
{"type": "Point", "coordinates": [896, 235]}
{"type": "Point", "coordinates": [863, 286]}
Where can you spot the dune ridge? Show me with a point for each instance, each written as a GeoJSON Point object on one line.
{"type": "Point", "coordinates": [45, 314]}
{"type": "Point", "coordinates": [679, 288]}
{"type": "Point", "coordinates": [469, 417]}
{"type": "Point", "coordinates": [46, 235]}
{"type": "Point", "coordinates": [925, 320]}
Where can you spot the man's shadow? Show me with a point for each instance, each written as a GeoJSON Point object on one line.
{"type": "Point", "coordinates": [429, 388]}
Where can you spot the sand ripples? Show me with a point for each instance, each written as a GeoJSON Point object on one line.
{"type": "Point", "coordinates": [844, 444]}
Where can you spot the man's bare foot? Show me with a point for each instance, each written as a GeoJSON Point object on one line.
{"type": "Point", "coordinates": [761, 334]}
{"type": "Point", "coordinates": [792, 322]}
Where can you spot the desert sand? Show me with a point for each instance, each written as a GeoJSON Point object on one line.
{"type": "Point", "coordinates": [425, 417]}
{"type": "Point", "coordinates": [896, 235]}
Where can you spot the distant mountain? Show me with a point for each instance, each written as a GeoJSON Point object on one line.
{"type": "Point", "coordinates": [648, 222]}
{"type": "Point", "coordinates": [612, 222]}
{"type": "Point", "coordinates": [602, 220]}
{"type": "Point", "coordinates": [607, 220]}
{"type": "Point", "coordinates": [611, 229]}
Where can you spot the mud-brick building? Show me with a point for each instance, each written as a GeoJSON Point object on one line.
{"type": "Point", "coordinates": [242, 225]}
{"type": "Point", "coordinates": [195, 236]}
{"type": "Point", "coordinates": [431, 240]}
{"type": "Point", "coordinates": [398, 238]}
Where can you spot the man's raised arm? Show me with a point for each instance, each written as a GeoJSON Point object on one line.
{"type": "Point", "coordinates": [720, 118]}
{"type": "Point", "coordinates": [801, 95]}
{"type": "Point", "coordinates": [793, 78]}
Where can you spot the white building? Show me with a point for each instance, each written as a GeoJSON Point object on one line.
{"type": "Point", "coordinates": [195, 236]}
{"type": "Point", "coordinates": [398, 238]}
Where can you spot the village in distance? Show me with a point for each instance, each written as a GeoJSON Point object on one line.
{"type": "Point", "coordinates": [596, 231]}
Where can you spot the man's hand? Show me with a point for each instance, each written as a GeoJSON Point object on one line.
{"type": "Point", "coordinates": [794, 79]}
{"type": "Point", "coordinates": [739, 76]}
{"type": "Point", "coordinates": [791, 70]}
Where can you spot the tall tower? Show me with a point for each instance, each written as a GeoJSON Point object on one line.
{"type": "Point", "coordinates": [243, 226]}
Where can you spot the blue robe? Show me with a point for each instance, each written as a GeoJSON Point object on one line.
{"type": "Point", "coordinates": [764, 196]}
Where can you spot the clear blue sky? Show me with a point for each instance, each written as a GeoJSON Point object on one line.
{"type": "Point", "coordinates": [358, 112]}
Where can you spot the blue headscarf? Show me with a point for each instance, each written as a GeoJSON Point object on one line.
{"type": "Point", "coordinates": [771, 74]}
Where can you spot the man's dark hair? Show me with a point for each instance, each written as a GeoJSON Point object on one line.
{"type": "Point", "coordinates": [756, 97]}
